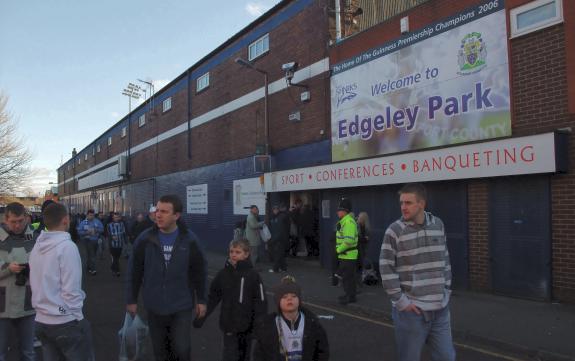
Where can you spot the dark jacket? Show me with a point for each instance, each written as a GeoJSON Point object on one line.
{"type": "Point", "coordinates": [241, 292]}
{"type": "Point", "coordinates": [139, 227]}
{"type": "Point", "coordinates": [267, 347]}
{"type": "Point", "coordinates": [279, 227]}
{"type": "Point", "coordinates": [73, 229]}
{"type": "Point", "coordinates": [306, 222]}
{"type": "Point", "coordinates": [171, 289]}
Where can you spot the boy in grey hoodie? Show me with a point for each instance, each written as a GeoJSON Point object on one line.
{"type": "Point", "coordinates": [57, 296]}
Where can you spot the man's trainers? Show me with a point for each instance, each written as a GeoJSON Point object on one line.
{"type": "Point", "coordinates": [92, 272]}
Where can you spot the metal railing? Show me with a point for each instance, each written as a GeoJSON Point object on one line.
{"type": "Point", "coordinates": [358, 15]}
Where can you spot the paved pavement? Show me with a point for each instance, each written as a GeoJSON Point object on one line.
{"type": "Point", "coordinates": [521, 328]}
{"type": "Point", "coordinates": [371, 336]}
{"type": "Point", "coordinates": [485, 327]}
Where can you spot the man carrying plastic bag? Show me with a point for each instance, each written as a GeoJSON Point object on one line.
{"type": "Point", "coordinates": [132, 338]}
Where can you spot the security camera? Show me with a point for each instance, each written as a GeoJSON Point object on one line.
{"type": "Point", "coordinates": [289, 66]}
{"type": "Point", "coordinates": [289, 69]}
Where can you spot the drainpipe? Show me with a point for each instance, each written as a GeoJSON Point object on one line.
{"type": "Point", "coordinates": [337, 20]}
{"type": "Point", "coordinates": [189, 95]}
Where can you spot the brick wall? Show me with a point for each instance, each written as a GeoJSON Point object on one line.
{"type": "Point", "coordinates": [478, 207]}
{"type": "Point", "coordinates": [234, 135]}
{"type": "Point", "coordinates": [540, 104]}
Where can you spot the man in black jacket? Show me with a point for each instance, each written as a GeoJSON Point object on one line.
{"type": "Point", "coordinates": [170, 264]}
{"type": "Point", "coordinates": [279, 243]}
{"type": "Point", "coordinates": [142, 223]}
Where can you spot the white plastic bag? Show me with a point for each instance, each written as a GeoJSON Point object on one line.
{"type": "Point", "coordinates": [132, 338]}
{"type": "Point", "coordinates": [265, 233]}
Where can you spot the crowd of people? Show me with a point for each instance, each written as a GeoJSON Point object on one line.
{"type": "Point", "coordinates": [41, 292]}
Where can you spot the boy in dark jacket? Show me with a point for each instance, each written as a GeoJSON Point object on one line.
{"type": "Point", "coordinates": [240, 290]}
{"type": "Point", "coordinates": [294, 333]}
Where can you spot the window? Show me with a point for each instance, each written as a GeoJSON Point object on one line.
{"type": "Point", "coordinates": [86, 156]}
{"type": "Point", "coordinates": [203, 82]}
{"type": "Point", "coordinates": [167, 104]}
{"type": "Point", "coordinates": [110, 140]}
{"type": "Point", "coordinates": [259, 47]}
{"type": "Point", "coordinates": [142, 120]}
{"type": "Point", "coordinates": [124, 131]}
{"type": "Point", "coordinates": [534, 16]}
{"type": "Point", "coordinates": [93, 151]}
{"type": "Point", "coordinates": [79, 160]}
{"type": "Point", "coordinates": [98, 148]}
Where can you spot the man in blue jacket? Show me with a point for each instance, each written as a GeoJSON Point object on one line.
{"type": "Point", "coordinates": [172, 268]}
{"type": "Point", "coordinates": [90, 230]}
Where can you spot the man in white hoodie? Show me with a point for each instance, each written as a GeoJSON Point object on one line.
{"type": "Point", "coordinates": [57, 296]}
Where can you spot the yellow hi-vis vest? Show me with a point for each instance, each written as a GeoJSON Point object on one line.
{"type": "Point", "coordinates": [346, 238]}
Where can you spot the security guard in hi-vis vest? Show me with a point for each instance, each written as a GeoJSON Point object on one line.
{"type": "Point", "coordinates": [346, 249]}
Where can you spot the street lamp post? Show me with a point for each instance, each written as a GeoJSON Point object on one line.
{"type": "Point", "coordinates": [249, 65]}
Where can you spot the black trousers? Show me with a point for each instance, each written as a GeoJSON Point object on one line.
{"type": "Point", "coordinates": [312, 246]}
{"type": "Point", "coordinates": [347, 270]}
{"type": "Point", "coordinates": [170, 335]}
{"type": "Point", "coordinates": [237, 346]}
{"type": "Point", "coordinates": [116, 254]}
{"type": "Point", "coordinates": [279, 248]}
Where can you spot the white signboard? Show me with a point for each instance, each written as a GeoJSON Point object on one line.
{"type": "Point", "coordinates": [197, 197]}
{"type": "Point", "coordinates": [247, 192]}
{"type": "Point", "coordinates": [513, 156]}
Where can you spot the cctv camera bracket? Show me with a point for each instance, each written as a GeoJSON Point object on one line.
{"type": "Point", "coordinates": [297, 85]}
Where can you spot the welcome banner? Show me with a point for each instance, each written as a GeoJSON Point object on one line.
{"type": "Point", "coordinates": [447, 83]}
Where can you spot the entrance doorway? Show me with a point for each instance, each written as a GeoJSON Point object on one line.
{"type": "Point", "coordinates": [304, 210]}
{"type": "Point", "coordinates": [520, 236]}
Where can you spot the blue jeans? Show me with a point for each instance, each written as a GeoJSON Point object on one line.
{"type": "Point", "coordinates": [91, 253]}
{"type": "Point", "coordinates": [412, 331]}
{"type": "Point", "coordinates": [24, 334]}
{"type": "Point", "coordinates": [71, 341]}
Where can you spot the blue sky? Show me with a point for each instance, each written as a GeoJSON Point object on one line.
{"type": "Point", "coordinates": [64, 63]}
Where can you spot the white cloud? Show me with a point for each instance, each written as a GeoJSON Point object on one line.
{"type": "Point", "coordinates": [159, 84]}
{"type": "Point", "coordinates": [256, 9]}
{"type": "Point", "coordinates": [39, 181]}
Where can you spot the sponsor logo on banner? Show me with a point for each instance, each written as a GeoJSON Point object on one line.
{"type": "Point", "coordinates": [345, 93]}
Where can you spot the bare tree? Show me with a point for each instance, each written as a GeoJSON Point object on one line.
{"type": "Point", "coordinates": [15, 157]}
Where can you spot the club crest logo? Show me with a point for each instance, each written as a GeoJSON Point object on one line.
{"type": "Point", "coordinates": [472, 54]}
